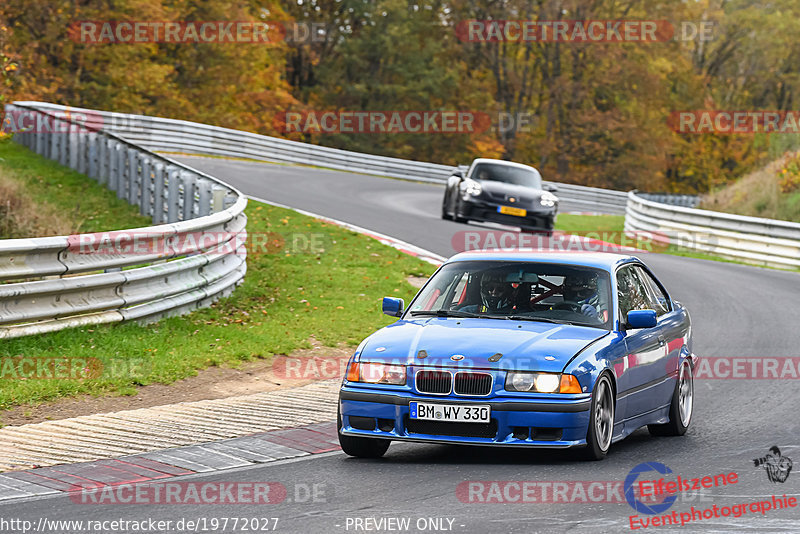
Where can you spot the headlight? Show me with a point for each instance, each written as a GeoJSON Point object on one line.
{"type": "Point", "coordinates": [520, 381]}
{"type": "Point", "coordinates": [542, 383]}
{"type": "Point", "coordinates": [377, 373]}
{"type": "Point", "coordinates": [548, 199]}
{"type": "Point", "coordinates": [471, 187]}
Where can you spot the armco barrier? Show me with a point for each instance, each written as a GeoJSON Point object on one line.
{"type": "Point", "coordinates": [750, 239]}
{"type": "Point", "coordinates": [51, 283]}
{"type": "Point", "coordinates": [171, 135]}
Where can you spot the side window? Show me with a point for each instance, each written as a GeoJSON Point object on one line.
{"type": "Point", "coordinates": [631, 292]}
{"type": "Point", "coordinates": [658, 300]}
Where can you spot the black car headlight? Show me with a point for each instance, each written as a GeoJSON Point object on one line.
{"type": "Point", "coordinates": [471, 187]}
{"type": "Point", "coordinates": [548, 199]}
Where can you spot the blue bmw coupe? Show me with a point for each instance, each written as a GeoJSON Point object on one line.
{"type": "Point", "coordinates": [523, 350]}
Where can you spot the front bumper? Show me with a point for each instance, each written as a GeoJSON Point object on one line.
{"type": "Point", "coordinates": [553, 423]}
{"type": "Point", "coordinates": [542, 218]}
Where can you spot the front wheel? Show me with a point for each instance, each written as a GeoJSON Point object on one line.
{"type": "Point", "coordinates": [360, 447]}
{"type": "Point", "coordinates": [446, 216]}
{"type": "Point", "coordinates": [681, 408]}
{"type": "Point", "coordinates": [456, 216]}
{"type": "Point", "coordinates": [601, 420]}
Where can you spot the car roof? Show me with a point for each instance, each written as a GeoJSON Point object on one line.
{"type": "Point", "coordinates": [600, 260]}
{"type": "Point", "coordinates": [503, 162]}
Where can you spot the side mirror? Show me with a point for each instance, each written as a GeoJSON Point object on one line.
{"type": "Point", "coordinates": [553, 188]}
{"type": "Point", "coordinates": [394, 307]}
{"type": "Point", "coordinates": [458, 174]}
{"type": "Point", "coordinates": [641, 319]}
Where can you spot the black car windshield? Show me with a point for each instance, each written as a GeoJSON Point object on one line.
{"type": "Point", "coordinates": [522, 291]}
{"type": "Point", "coordinates": [507, 174]}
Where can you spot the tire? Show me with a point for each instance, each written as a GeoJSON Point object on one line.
{"type": "Point", "coordinates": [456, 216]}
{"type": "Point", "coordinates": [445, 215]}
{"type": "Point", "coordinates": [360, 447]}
{"type": "Point", "coordinates": [601, 420]}
{"type": "Point", "coordinates": [682, 406]}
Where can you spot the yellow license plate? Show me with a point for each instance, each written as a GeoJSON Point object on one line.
{"type": "Point", "coordinates": [508, 210]}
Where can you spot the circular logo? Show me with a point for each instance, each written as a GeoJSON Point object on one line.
{"type": "Point", "coordinates": [630, 484]}
{"type": "Point", "coordinates": [457, 357]}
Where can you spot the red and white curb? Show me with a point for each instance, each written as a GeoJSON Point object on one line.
{"type": "Point", "coordinates": [158, 466]}
{"type": "Point", "coordinates": [144, 430]}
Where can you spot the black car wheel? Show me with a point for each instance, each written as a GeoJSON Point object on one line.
{"type": "Point", "coordinates": [456, 216]}
{"type": "Point", "coordinates": [680, 411]}
{"type": "Point", "coordinates": [360, 447]}
{"type": "Point", "coordinates": [446, 216]}
{"type": "Point", "coordinates": [601, 420]}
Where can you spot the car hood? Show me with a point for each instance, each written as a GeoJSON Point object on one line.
{"type": "Point", "coordinates": [501, 190]}
{"type": "Point", "coordinates": [523, 344]}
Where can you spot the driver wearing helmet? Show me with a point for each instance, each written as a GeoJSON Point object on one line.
{"type": "Point", "coordinates": [497, 295]}
{"type": "Point", "coordinates": [580, 290]}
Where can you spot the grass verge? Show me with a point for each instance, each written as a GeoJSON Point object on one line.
{"type": "Point", "coordinates": [39, 197]}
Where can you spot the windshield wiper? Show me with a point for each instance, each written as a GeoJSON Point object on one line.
{"type": "Point", "coordinates": [535, 318]}
{"type": "Point", "coordinates": [445, 313]}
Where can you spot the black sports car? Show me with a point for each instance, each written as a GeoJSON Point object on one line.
{"type": "Point", "coordinates": [502, 192]}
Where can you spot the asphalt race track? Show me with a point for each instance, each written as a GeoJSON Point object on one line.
{"type": "Point", "coordinates": [737, 311]}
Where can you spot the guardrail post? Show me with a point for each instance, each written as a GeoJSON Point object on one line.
{"type": "Point", "coordinates": [102, 158]}
{"type": "Point", "coordinates": [145, 187]}
{"type": "Point", "coordinates": [134, 177]}
{"type": "Point", "coordinates": [128, 168]}
{"type": "Point", "coordinates": [173, 193]}
{"type": "Point", "coordinates": [204, 187]}
{"type": "Point", "coordinates": [72, 138]}
{"type": "Point", "coordinates": [55, 155]}
{"type": "Point", "coordinates": [39, 141]}
{"type": "Point", "coordinates": [158, 193]}
{"type": "Point", "coordinates": [189, 181]}
{"type": "Point", "coordinates": [63, 142]}
{"type": "Point", "coordinates": [91, 154]}
{"type": "Point", "coordinates": [114, 159]}
{"type": "Point", "coordinates": [83, 153]}
{"type": "Point", "coordinates": [218, 202]}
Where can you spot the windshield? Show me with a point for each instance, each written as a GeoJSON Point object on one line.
{"type": "Point", "coordinates": [517, 290]}
{"type": "Point", "coordinates": [494, 172]}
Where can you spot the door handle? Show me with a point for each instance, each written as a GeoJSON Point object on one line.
{"type": "Point", "coordinates": [662, 341]}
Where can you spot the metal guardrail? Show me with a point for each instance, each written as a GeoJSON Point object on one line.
{"type": "Point", "coordinates": [687, 201]}
{"type": "Point", "coordinates": [750, 239]}
{"type": "Point", "coordinates": [171, 135]}
{"type": "Point", "coordinates": [194, 255]}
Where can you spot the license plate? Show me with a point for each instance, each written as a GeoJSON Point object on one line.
{"type": "Point", "coordinates": [455, 413]}
{"type": "Point", "coordinates": [508, 210]}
